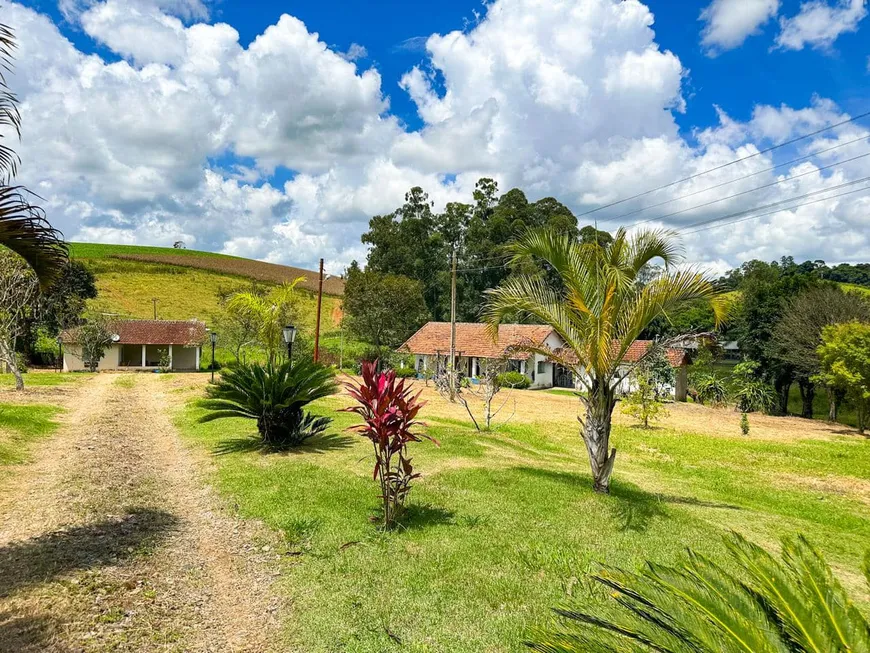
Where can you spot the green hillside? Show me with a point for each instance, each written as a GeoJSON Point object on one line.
{"type": "Point", "coordinates": [128, 286]}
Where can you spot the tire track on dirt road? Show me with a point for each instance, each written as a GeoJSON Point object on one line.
{"type": "Point", "coordinates": [110, 539]}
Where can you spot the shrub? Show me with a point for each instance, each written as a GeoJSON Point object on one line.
{"type": "Point", "coordinates": [744, 424]}
{"type": "Point", "coordinates": [758, 603]}
{"type": "Point", "coordinates": [389, 410]}
{"type": "Point", "coordinates": [406, 373]}
{"type": "Point", "coordinates": [711, 389]}
{"type": "Point", "coordinates": [274, 395]}
{"type": "Point", "coordinates": [516, 380]}
{"type": "Point", "coordinates": [750, 392]}
{"type": "Point", "coordinates": [643, 403]}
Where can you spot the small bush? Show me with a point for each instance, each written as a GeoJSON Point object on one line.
{"type": "Point", "coordinates": [516, 380]}
{"type": "Point", "coordinates": [711, 389]}
{"type": "Point", "coordinates": [274, 395]}
{"type": "Point", "coordinates": [744, 424]}
{"type": "Point", "coordinates": [406, 373]}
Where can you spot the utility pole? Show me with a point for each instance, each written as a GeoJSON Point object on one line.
{"type": "Point", "coordinates": [317, 328]}
{"type": "Point", "coordinates": [154, 301]}
{"type": "Point", "coordinates": [451, 368]}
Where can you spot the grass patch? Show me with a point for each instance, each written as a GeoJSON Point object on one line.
{"type": "Point", "coordinates": [20, 425]}
{"type": "Point", "coordinates": [503, 525]}
{"type": "Point", "coordinates": [43, 379]}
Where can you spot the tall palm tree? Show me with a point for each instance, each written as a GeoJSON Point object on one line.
{"type": "Point", "coordinates": [600, 309]}
{"type": "Point", "coordinates": [23, 227]}
{"type": "Point", "coordinates": [270, 312]}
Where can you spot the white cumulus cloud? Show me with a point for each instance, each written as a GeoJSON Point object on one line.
{"type": "Point", "coordinates": [819, 23]}
{"type": "Point", "coordinates": [728, 23]}
{"type": "Point", "coordinates": [177, 139]}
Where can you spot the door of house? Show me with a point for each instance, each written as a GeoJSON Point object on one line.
{"type": "Point", "coordinates": [562, 378]}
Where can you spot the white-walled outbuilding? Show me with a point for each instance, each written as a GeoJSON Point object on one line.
{"type": "Point", "coordinates": [142, 344]}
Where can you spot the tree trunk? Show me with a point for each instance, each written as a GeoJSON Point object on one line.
{"type": "Point", "coordinates": [835, 399]}
{"type": "Point", "coordinates": [7, 355]}
{"type": "Point", "coordinates": [596, 435]}
{"type": "Point", "coordinates": [808, 395]}
{"type": "Point", "coordinates": [782, 384]}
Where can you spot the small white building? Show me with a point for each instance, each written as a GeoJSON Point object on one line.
{"type": "Point", "coordinates": [430, 346]}
{"type": "Point", "coordinates": [142, 344]}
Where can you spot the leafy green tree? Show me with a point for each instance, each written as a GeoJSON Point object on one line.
{"type": "Point", "coordinates": [765, 289]}
{"type": "Point", "coordinates": [798, 334]}
{"type": "Point", "coordinates": [94, 336]}
{"type": "Point", "coordinates": [599, 311]}
{"type": "Point", "coordinates": [382, 309]}
{"type": "Point", "coordinates": [590, 234]}
{"type": "Point", "coordinates": [274, 396]}
{"type": "Point", "coordinates": [845, 364]}
{"type": "Point", "coordinates": [756, 604]}
{"type": "Point", "coordinates": [18, 292]}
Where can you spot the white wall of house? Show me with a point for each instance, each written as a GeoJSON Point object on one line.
{"type": "Point", "coordinates": [73, 361]}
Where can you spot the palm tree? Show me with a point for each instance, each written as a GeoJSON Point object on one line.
{"type": "Point", "coordinates": [765, 605]}
{"type": "Point", "coordinates": [270, 313]}
{"type": "Point", "coordinates": [23, 227]}
{"type": "Point", "coordinates": [600, 309]}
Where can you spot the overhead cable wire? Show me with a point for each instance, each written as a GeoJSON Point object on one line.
{"type": "Point", "coordinates": [751, 190]}
{"type": "Point", "coordinates": [773, 204]}
{"type": "Point", "coordinates": [761, 215]}
{"type": "Point", "coordinates": [731, 181]}
{"type": "Point", "coordinates": [730, 163]}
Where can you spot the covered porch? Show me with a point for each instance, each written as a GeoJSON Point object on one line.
{"type": "Point", "coordinates": [175, 357]}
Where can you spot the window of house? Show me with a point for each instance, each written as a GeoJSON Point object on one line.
{"type": "Point", "coordinates": [542, 366]}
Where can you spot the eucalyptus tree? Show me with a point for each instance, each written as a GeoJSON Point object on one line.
{"type": "Point", "coordinates": [599, 309]}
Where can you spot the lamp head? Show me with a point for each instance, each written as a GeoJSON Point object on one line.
{"type": "Point", "coordinates": [289, 334]}
{"type": "Point", "coordinates": [213, 337]}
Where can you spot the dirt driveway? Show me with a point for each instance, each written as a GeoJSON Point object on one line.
{"type": "Point", "coordinates": [110, 540]}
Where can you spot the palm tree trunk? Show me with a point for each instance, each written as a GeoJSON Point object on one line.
{"type": "Point", "coordinates": [596, 435]}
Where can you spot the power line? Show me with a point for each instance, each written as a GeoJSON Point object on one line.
{"type": "Point", "coordinates": [731, 181]}
{"type": "Point", "coordinates": [773, 204]}
{"type": "Point", "coordinates": [761, 215]}
{"type": "Point", "coordinates": [730, 163]}
{"type": "Point", "coordinates": [751, 190]}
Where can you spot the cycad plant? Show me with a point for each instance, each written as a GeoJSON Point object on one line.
{"type": "Point", "coordinates": [23, 227]}
{"type": "Point", "coordinates": [275, 396]}
{"type": "Point", "coordinates": [600, 307]}
{"type": "Point", "coordinates": [764, 605]}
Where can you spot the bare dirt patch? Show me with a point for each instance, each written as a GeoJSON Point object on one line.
{"type": "Point", "coordinates": [110, 540]}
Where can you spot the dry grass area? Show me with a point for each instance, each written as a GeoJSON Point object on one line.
{"type": "Point", "coordinates": [537, 407]}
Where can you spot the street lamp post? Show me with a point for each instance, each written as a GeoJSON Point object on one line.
{"type": "Point", "coordinates": [213, 337]}
{"type": "Point", "coordinates": [289, 336]}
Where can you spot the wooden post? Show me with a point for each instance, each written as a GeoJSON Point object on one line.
{"type": "Point", "coordinates": [317, 327]}
{"type": "Point", "coordinates": [451, 369]}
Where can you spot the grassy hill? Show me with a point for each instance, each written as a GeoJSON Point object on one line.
{"type": "Point", "coordinates": [188, 285]}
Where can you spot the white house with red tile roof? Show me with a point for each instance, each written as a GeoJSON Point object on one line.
{"type": "Point", "coordinates": [430, 346]}
{"type": "Point", "coordinates": [142, 344]}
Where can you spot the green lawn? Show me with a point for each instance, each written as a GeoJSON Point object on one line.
{"type": "Point", "coordinates": [20, 426]}
{"type": "Point", "coordinates": [504, 525]}
{"type": "Point", "coordinates": [42, 379]}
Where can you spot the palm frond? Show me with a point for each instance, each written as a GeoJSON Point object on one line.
{"type": "Point", "coordinates": [24, 230]}
{"type": "Point", "coordinates": [792, 605]}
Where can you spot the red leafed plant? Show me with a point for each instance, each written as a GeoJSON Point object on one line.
{"type": "Point", "coordinates": [389, 409]}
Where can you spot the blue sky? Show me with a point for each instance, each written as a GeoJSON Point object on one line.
{"type": "Point", "coordinates": [307, 147]}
